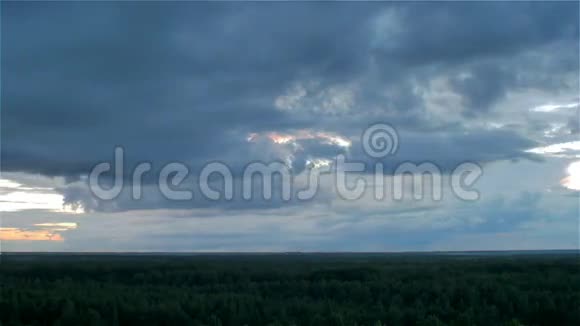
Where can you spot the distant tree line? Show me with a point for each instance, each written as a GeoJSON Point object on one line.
{"type": "Point", "coordinates": [289, 290]}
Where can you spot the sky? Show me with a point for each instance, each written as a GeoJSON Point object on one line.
{"type": "Point", "coordinates": [187, 84]}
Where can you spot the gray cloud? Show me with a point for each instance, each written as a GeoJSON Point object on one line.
{"type": "Point", "coordinates": [190, 81]}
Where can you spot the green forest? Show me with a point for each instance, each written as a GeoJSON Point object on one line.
{"type": "Point", "coordinates": [290, 289]}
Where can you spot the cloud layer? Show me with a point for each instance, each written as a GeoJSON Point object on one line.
{"type": "Point", "coordinates": [297, 83]}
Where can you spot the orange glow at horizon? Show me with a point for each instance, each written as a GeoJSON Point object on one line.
{"type": "Point", "coordinates": [7, 234]}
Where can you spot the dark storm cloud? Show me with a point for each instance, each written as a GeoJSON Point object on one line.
{"type": "Point", "coordinates": [190, 81]}
{"type": "Point", "coordinates": [463, 31]}
{"type": "Point", "coordinates": [185, 81]}
{"type": "Point", "coordinates": [484, 85]}
{"type": "Point", "coordinates": [449, 150]}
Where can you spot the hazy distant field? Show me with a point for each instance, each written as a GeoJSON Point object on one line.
{"type": "Point", "coordinates": [484, 288]}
